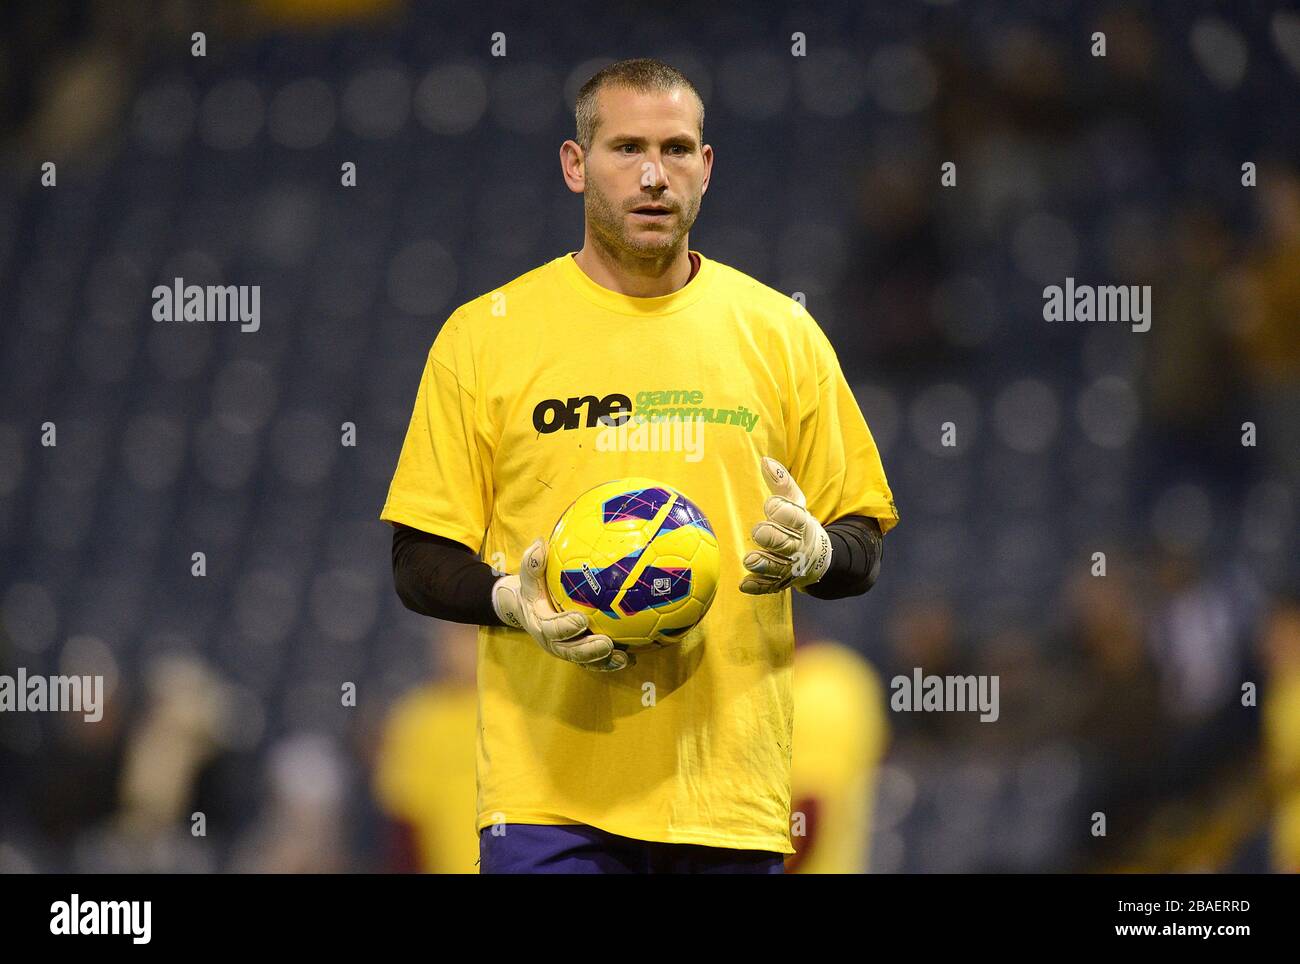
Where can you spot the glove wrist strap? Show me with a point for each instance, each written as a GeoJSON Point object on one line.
{"type": "Point", "coordinates": [818, 566]}
{"type": "Point", "coordinates": [504, 601]}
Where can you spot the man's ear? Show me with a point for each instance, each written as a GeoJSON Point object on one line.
{"type": "Point", "coordinates": [573, 165]}
{"type": "Point", "coordinates": [707, 153]}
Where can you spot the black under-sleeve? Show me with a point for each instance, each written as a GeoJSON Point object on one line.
{"type": "Point", "coordinates": [857, 546]}
{"type": "Point", "coordinates": [439, 577]}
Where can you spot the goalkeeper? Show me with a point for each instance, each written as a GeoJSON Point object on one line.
{"type": "Point", "coordinates": [678, 760]}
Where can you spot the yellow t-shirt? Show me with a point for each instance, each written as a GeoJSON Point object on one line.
{"type": "Point", "coordinates": [691, 745]}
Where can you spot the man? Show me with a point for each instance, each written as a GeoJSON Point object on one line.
{"type": "Point", "coordinates": [682, 761]}
{"type": "Point", "coordinates": [424, 777]}
{"type": "Point", "coordinates": [841, 730]}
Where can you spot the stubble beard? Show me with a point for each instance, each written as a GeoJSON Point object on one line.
{"type": "Point", "coordinates": [609, 227]}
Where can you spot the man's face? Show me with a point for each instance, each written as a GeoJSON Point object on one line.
{"type": "Point", "coordinates": [646, 154]}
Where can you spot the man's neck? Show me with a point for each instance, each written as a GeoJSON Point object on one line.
{"type": "Point", "coordinates": [637, 277]}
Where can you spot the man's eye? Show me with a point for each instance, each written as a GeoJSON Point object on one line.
{"type": "Point", "coordinates": [624, 147]}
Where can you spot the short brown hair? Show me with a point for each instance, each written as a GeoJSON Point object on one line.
{"type": "Point", "coordinates": [644, 75]}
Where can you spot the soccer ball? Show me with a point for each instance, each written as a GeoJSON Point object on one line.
{"type": "Point", "coordinates": [638, 557]}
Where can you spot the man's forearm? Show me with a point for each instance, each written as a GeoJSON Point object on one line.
{"type": "Point", "coordinates": [857, 546]}
{"type": "Point", "coordinates": [442, 578]}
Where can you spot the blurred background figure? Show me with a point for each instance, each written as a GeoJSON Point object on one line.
{"type": "Point", "coordinates": [186, 724]}
{"type": "Point", "coordinates": [140, 791]}
{"type": "Point", "coordinates": [62, 782]}
{"type": "Point", "coordinates": [1280, 644]}
{"type": "Point", "coordinates": [182, 731]}
{"type": "Point", "coordinates": [1118, 723]}
{"type": "Point", "coordinates": [302, 824]}
{"type": "Point", "coordinates": [1265, 291]}
{"type": "Point", "coordinates": [840, 735]}
{"type": "Point", "coordinates": [424, 776]}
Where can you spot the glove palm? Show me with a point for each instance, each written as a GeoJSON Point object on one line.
{"type": "Point", "coordinates": [522, 601]}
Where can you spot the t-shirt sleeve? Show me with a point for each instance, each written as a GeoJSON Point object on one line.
{"type": "Point", "coordinates": [443, 481]}
{"type": "Point", "coordinates": [835, 462]}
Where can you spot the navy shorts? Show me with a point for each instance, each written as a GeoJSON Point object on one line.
{"type": "Point", "coordinates": [526, 848]}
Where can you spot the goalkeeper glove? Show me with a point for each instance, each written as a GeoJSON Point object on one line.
{"type": "Point", "coordinates": [793, 548]}
{"type": "Point", "coordinates": [522, 601]}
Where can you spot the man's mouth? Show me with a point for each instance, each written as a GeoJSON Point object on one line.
{"type": "Point", "coordinates": [652, 211]}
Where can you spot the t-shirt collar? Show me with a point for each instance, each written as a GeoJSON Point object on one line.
{"type": "Point", "coordinates": [688, 294]}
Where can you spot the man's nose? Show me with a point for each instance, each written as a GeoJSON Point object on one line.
{"type": "Point", "coordinates": [653, 174]}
